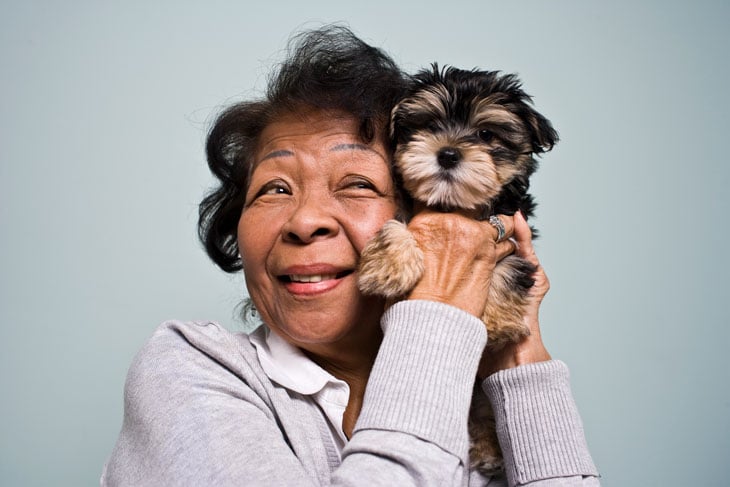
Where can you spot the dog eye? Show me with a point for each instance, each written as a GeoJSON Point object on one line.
{"type": "Point", "coordinates": [432, 127]}
{"type": "Point", "coordinates": [485, 135]}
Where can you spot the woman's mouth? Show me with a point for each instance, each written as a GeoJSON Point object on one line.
{"type": "Point", "coordinates": [313, 278]}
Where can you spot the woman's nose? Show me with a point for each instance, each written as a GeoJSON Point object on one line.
{"type": "Point", "coordinates": [312, 219]}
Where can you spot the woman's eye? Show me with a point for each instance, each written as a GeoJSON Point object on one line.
{"type": "Point", "coordinates": [485, 135]}
{"type": "Point", "coordinates": [273, 188]}
{"type": "Point", "coordinates": [362, 185]}
{"type": "Point", "coordinates": [359, 186]}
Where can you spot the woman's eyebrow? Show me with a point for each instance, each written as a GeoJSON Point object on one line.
{"type": "Point", "coordinates": [277, 153]}
{"type": "Point", "coordinates": [337, 148]}
{"type": "Point", "coordinates": [344, 147]}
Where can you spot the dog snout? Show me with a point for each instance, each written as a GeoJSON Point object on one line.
{"type": "Point", "coordinates": [448, 157]}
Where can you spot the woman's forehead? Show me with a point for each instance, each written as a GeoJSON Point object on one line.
{"type": "Point", "coordinates": [313, 131]}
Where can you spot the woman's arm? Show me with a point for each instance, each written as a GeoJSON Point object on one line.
{"type": "Point", "coordinates": [538, 425]}
{"type": "Point", "coordinates": [539, 428]}
{"type": "Point", "coordinates": [412, 429]}
{"type": "Point", "coordinates": [531, 349]}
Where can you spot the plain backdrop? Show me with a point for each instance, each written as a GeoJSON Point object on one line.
{"type": "Point", "coordinates": [104, 108]}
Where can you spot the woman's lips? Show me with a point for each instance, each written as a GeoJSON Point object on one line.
{"type": "Point", "coordinates": [305, 282]}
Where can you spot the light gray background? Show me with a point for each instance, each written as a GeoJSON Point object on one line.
{"type": "Point", "coordinates": [103, 115]}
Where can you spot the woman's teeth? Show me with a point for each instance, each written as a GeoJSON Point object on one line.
{"type": "Point", "coordinates": [311, 278]}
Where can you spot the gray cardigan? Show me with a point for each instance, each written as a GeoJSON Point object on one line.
{"type": "Point", "coordinates": [199, 410]}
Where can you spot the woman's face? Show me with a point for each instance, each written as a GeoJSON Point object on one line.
{"type": "Point", "coordinates": [317, 193]}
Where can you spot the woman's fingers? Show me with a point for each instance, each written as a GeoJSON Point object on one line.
{"type": "Point", "coordinates": [502, 227]}
{"type": "Point", "coordinates": [506, 245]}
{"type": "Point", "coordinates": [523, 237]}
{"type": "Point", "coordinates": [459, 256]}
{"type": "Point", "coordinates": [505, 248]}
{"type": "Point", "coordinates": [525, 249]}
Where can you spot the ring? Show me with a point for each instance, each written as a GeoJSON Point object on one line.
{"type": "Point", "coordinates": [497, 223]}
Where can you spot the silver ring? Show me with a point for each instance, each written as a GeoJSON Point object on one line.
{"type": "Point", "coordinates": [497, 223]}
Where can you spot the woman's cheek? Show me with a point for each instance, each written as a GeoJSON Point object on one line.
{"type": "Point", "coordinates": [369, 219]}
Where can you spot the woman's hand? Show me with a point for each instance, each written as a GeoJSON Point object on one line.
{"type": "Point", "coordinates": [531, 349]}
{"type": "Point", "coordinates": [459, 256]}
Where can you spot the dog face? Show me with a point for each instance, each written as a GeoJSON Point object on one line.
{"type": "Point", "coordinates": [466, 139]}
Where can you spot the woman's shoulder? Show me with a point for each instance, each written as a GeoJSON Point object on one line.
{"type": "Point", "coordinates": [183, 354]}
{"type": "Point", "coordinates": [207, 335]}
{"type": "Point", "coordinates": [186, 386]}
{"type": "Point", "coordinates": [175, 339]}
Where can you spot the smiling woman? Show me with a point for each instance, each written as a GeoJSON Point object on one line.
{"type": "Point", "coordinates": [316, 196]}
{"type": "Point", "coordinates": [335, 388]}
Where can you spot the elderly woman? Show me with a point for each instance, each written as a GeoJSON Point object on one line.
{"type": "Point", "coordinates": [334, 388]}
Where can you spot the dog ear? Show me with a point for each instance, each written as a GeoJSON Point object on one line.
{"type": "Point", "coordinates": [542, 134]}
{"type": "Point", "coordinates": [408, 111]}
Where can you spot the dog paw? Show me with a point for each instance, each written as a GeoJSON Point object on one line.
{"type": "Point", "coordinates": [391, 263]}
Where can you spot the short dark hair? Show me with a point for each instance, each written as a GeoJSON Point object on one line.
{"type": "Point", "coordinates": [329, 69]}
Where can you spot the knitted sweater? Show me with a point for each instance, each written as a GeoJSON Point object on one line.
{"type": "Point", "coordinates": [199, 410]}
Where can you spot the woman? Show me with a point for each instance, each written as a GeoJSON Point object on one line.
{"type": "Point", "coordinates": [334, 388]}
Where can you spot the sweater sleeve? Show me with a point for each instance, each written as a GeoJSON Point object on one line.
{"type": "Point", "coordinates": [539, 428]}
{"type": "Point", "coordinates": [412, 429]}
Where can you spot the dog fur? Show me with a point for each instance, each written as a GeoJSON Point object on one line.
{"type": "Point", "coordinates": [467, 140]}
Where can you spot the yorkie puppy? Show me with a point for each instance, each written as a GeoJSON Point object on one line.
{"type": "Point", "coordinates": [465, 140]}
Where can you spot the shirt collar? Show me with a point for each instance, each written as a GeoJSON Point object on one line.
{"type": "Point", "coordinates": [287, 365]}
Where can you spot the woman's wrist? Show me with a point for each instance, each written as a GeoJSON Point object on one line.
{"type": "Point", "coordinates": [530, 350]}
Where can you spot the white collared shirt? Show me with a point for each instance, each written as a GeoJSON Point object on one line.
{"type": "Point", "coordinates": [289, 367]}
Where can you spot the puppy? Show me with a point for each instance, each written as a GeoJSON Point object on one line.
{"type": "Point", "coordinates": [465, 140]}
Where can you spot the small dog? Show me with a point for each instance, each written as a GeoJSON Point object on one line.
{"type": "Point", "coordinates": [465, 139]}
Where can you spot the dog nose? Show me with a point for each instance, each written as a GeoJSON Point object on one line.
{"type": "Point", "coordinates": [448, 157]}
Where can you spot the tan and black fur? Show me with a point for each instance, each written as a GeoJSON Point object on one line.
{"type": "Point", "coordinates": [467, 140]}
